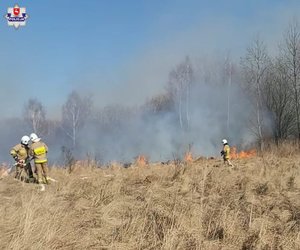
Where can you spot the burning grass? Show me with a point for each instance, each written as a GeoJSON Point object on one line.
{"type": "Point", "coordinates": [188, 157]}
{"type": "Point", "coordinates": [141, 160]}
{"type": "Point", "coordinates": [234, 154]}
{"type": "Point", "coordinates": [176, 206]}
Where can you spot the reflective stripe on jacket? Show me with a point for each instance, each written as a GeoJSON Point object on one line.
{"type": "Point", "coordinates": [226, 150]}
{"type": "Point", "coordinates": [39, 150]}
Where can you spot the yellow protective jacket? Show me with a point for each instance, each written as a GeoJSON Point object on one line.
{"type": "Point", "coordinates": [20, 151]}
{"type": "Point", "coordinates": [38, 150]}
{"type": "Point", "coordinates": [226, 150]}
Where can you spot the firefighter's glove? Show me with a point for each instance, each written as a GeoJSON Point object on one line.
{"type": "Point", "coordinates": [222, 152]}
{"type": "Point", "coordinates": [21, 163]}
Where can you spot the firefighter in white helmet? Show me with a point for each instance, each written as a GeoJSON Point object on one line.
{"type": "Point", "coordinates": [38, 151]}
{"type": "Point", "coordinates": [20, 153]}
{"type": "Point", "coordinates": [226, 153]}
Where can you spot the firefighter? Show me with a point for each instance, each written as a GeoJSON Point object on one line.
{"type": "Point", "coordinates": [226, 153]}
{"type": "Point", "coordinates": [38, 151]}
{"type": "Point", "coordinates": [20, 153]}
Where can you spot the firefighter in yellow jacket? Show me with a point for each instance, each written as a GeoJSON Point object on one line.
{"type": "Point", "coordinates": [20, 153]}
{"type": "Point", "coordinates": [38, 151]}
{"type": "Point", "coordinates": [226, 153]}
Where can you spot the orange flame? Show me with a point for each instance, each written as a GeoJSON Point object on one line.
{"type": "Point", "coordinates": [188, 157]}
{"type": "Point", "coordinates": [242, 154]}
{"type": "Point", "coordinates": [141, 160]}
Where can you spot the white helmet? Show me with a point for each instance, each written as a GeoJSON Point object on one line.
{"type": "Point", "coordinates": [25, 140]}
{"type": "Point", "coordinates": [34, 137]}
{"type": "Point", "coordinates": [224, 141]}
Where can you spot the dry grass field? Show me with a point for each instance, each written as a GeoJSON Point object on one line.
{"type": "Point", "coordinates": [201, 205]}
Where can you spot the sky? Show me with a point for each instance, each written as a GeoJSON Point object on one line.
{"type": "Point", "coordinates": [122, 51]}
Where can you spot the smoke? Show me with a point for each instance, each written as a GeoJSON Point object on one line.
{"type": "Point", "coordinates": [126, 132]}
{"type": "Point", "coordinates": [120, 132]}
{"type": "Point", "coordinates": [133, 130]}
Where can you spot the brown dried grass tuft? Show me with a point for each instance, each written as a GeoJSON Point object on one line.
{"type": "Point", "coordinates": [203, 205]}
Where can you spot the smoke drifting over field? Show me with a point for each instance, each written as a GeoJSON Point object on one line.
{"type": "Point", "coordinates": [128, 77]}
{"type": "Point", "coordinates": [121, 132]}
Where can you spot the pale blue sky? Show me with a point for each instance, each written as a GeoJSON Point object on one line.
{"type": "Point", "coordinates": [120, 50]}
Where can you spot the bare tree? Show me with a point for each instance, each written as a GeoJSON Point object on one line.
{"type": "Point", "coordinates": [228, 71]}
{"type": "Point", "coordinates": [180, 80]}
{"type": "Point", "coordinates": [255, 65]}
{"type": "Point", "coordinates": [74, 114]}
{"type": "Point", "coordinates": [278, 99]}
{"type": "Point", "coordinates": [291, 55]}
{"type": "Point", "coordinates": [35, 116]}
{"type": "Point", "coordinates": [159, 104]}
{"type": "Point", "coordinates": [113, 116]}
